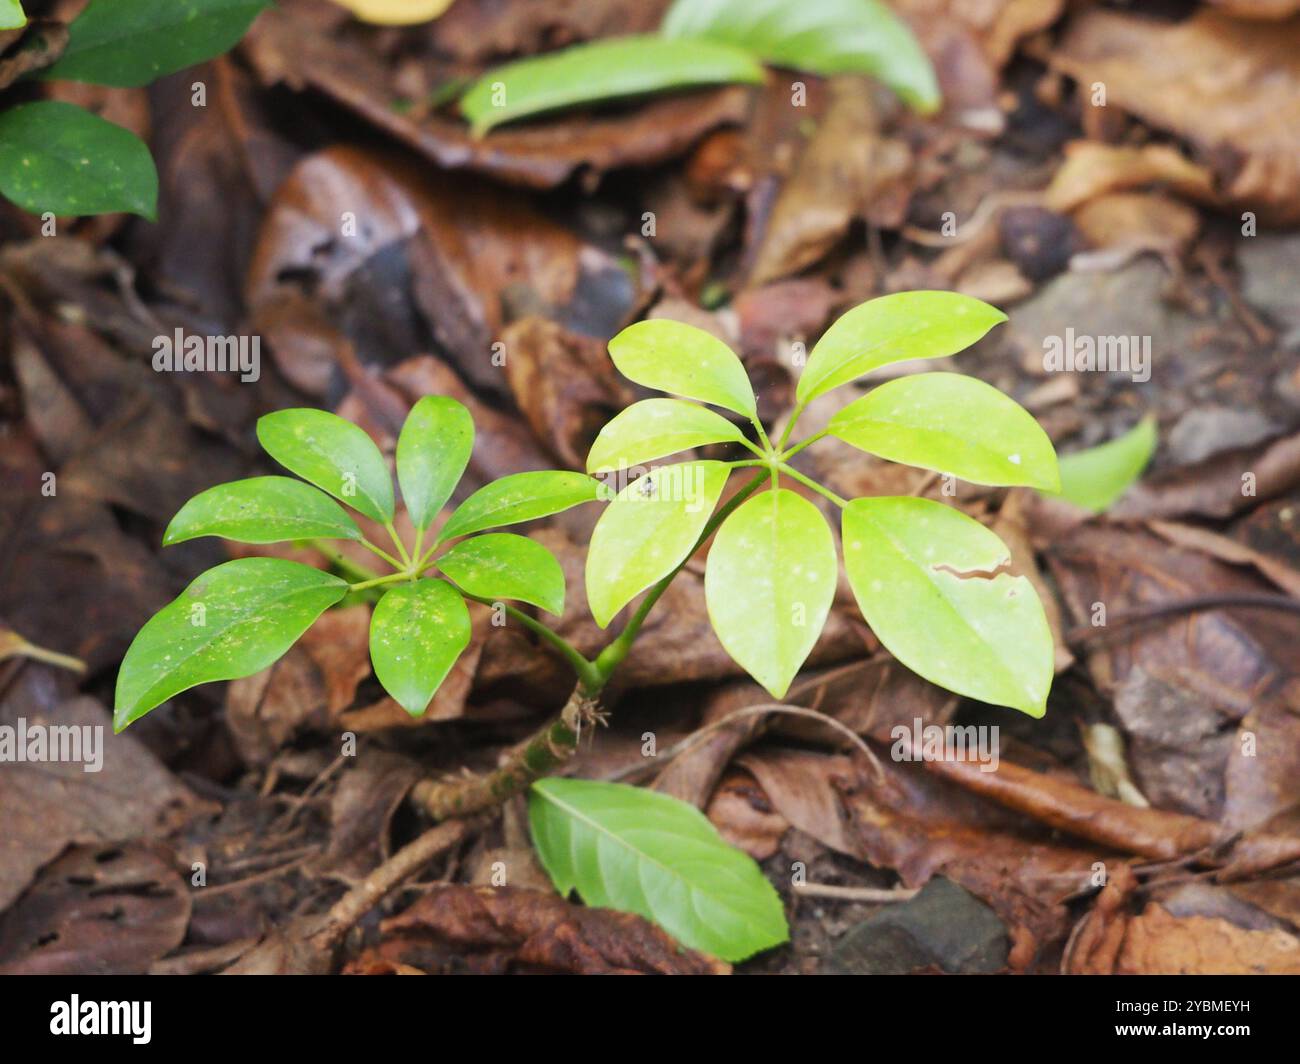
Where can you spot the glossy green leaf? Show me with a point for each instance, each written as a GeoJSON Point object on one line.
{"type": "Point", "coordinates": [893, 328]}
{"type": "Point", "coordinates": [335, 455]}
{"type": "Point", "coordinates": [520, 497]}
{"type": "Point", "coordinates": [1096, 478]}
{"type": "Point", "coordinates": [501, 565]}
{"type": "Point", "coordinates": [648, 530]}
{"type": "Point", "coordinates": [951, 424]}
{"type": "Point", "coordinates": [58, 157]}
{"type": "Point", "coordinates": [821, 36]}
{"type": "Point", "coordinates": [11, 15]}
{"type": "Point", "coordinates": [654, 428]}
{"type": "Point", "coordinates": [921, 574]}
{"type": "Point", "coordinates": [432, 453]}
{"type": "Point", "coordinates": [671, 356]}
{"type": "Point", "coordinates": [768, 584]}
{"type": "Point", "coordinates": [129, 43]}
{"type": "Point", "coordinates": [417, 632]}
{"type": "Point", "coordinates": [610, 69]}
{"type": "Point", "coordinates": [642, 852]}
{"type": "Point", "coordinates": [232, 621]}
{"type": "Point", "coordinates": [261, 510]}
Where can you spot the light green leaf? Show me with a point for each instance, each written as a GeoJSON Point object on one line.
{"type": "Point", "coordinates": [432, 453]}
{"type": "Point", "coordinates": [610, 69]}
{"type": "Point", "coordinates": [768, 583]}
{"type": "Point", "coordinates": [821, 36]}
{"type": "Point", "coordinates": [11, 15]}
{"type": "Point", "coordinates": [261, 510]}
{"type": "Point", "coordinates": [501, 565]}
{"type": "Point", "coordinates": [648, 530]}
{"type": "Point", "coordinates": [520, 497]}
{"type": "Point", "coordinates": [921, 574]}
{"type": "Point", "coordinates": [58, 157]}
{"type": "Point", "coordinates": [654, 428]}
{"type": "Point", "coordinates": [232, 621]}
{"type": "Point", "coordinates": [893, 329]}
{"type": "Point", "coordinates": [129, 43]}
{"type": "Point", "coordinates": [417, 632]}
{"type": "Point", "coordinates": [1096, 478]}
{"type": "Point", "coordinates": [335, 455]}
{"type": "Point", "coordinates": [641, 852]}
{"type": "Point", "coordinates": [951, 424]}
{"type": "Point", "coordinates": [674, 357]}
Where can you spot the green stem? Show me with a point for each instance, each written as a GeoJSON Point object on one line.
{"type": "Point", "coordinates": [344, 564]}
{"type": "Point", "coordinates": [397, 542]}
{"type": "Point", "coordinates": [762, 436]}
{"type": "Point", "coordinates": [757, 450]}
{"type": "Point", "coordinates": [378, 553]}
{"type": "Point", "coordinates": [787, 455]}
{"type": "Point", "coordinates": [807, 482]}
{"type": "Point", "coordinates": [379, 581]}
{"type": "Point", "coordinates": [585, 669]}
{"type": "Point", "coordinates": [789, 428]}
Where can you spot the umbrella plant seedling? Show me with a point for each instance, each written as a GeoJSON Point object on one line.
{"type": "Point", "coordinates": [930, 581]}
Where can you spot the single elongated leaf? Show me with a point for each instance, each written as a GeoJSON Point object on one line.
{"type": "Point", "coordinates": [892, 329]}
{"type": "Point", "coordinates": [232, 621]}
{"type": "Point", "coordinates": [432, 453]}
{"type": "Point", "coordinates": [599, 71]}
{"type": "Point", "coordinates": [417, 632]}
{"type": "Point", "coordinates": [11, 15]}
{"type": "Point", "coordinates": [335, 455]}
{"type": "Point", "coordinates": [1097, 477]}
{"type": "Point", "coordinates": [923, 576]}
{"type": "Point", "coordinates": [261, 510]}
{"type": "Point", "coordinates": [654, 428]}
{"type": "Point", "coordinates": [768, 585]}
{"type": "Point", "coordinates": [520, 497]}
{"type": "Point", "coordinates": [951, 424]}
{"type": "Point", "coordinates": [641, 852]}
{"type": "Point", "coordinates": [129, 43]}
{"type": "Point", "coordinates": [648, 530]}
{"type": "Point", "coordinates": [822, 36]}
{"type": "Point", "coordinates": [58, 157]}
{"type": "Point", "coordinates": [395, 12]}
{"type": "Point", "coordinates": [674, 357]}
{"type": "Point", "coordinates": [501, 565]}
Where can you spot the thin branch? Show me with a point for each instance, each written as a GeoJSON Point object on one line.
{"type": "Point", "coordinates": [585, 669]}
{"type": "Point", "coordinates": [808, 482]}
{"type": "Point", "coordinates": [875, 895]}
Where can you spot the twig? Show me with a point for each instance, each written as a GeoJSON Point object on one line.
{"type": "Point", "coordinates": [867, 894]}
{"type": "Point", "coordinates": [1082, 633]}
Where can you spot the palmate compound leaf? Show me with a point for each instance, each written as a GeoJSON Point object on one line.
{"type": "Point", "coordinates": [129, 43]}
{"type": "Point", "coordinates": [825, 37]}
{"type": "Point", "coordinates": [501, 565]}
{"type": "Point", "coordinates": [231, 622]}
{"type": "Point", "coordinates": [520, 497]}
{"type": "Point", "coordinates": [335, 455]}
{"type": "Point", "coordinates": [921, 573]}
{"type": "Point", "coordinates": [610, 69]}
{"type": "Point", "coordinates": [893, 328]}
{"type": "Point", "coordinates": [433, 450]}
{"type": "Point", "coordinates": [671, 356]}
{"type": "Point", "coordinates": [638, 851]}
{"type": "Point", "coordinates": [1097, 477]}
{"type": "Point", "coordinates": [648, 530]}
{"type": "Point", "coordinates": [768, 584]}
{"type": "Point", "coordinates": [417, 632]}
{"type": "Point", "coordinates": [951, 424]}
{"type": "Point", "coordinates": [261, 510]}
{"type": "Point", "coordinates": [654, 428]}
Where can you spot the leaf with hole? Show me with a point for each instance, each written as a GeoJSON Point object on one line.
{"type": "Point", "coordinates": [893, 328]}
{"type": "Point", "coordinates": [825, 37]}
{"type": "Point", "coordinates": [501, 565]}
{"type": "Point", "coordinates": [648, 530]}
{"type": "Point", "coordinates": [927, 579]}
{"type": "Point", "coordinates": [261, 510]}
{"type": "Point", "coordinates": [58, 157]}
{"type": "Point", "coordinates": [768, 585]}
{"type": "Point", "coordinates": [433, 450]}
{"type": "Point", "coordinates": [335, 455]}
{"type": "Point", "coordinates": [654, 428]}
{"type": "Point", "coordinates": [520, 497]}
{"type": "Point", "coordinates": [641, 852]}
{"type": "Point", "coordinates": [951, 424]}
{"type": "Point", "coordinates": [417, 632]}
{"type": "Point", "coordinates": [598, 71]}
{"type": "Point", "coordinates": [1096, 478]}
{"type": "Point", "coordinates": [231, 622]}
{"type": "Point", "coordinates": [671, 356]}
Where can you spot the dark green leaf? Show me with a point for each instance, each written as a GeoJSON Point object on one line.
{"type": "Point", "coordinates": [501, 565]}
{"type": "Point", "coordinates": [417, 632]}
{"type": "Point", "coordinates": [432, 453]}
{"type": "Point", "coordinates": [520, 497]}
{"type": "Point", "coordinates": [261, 510]}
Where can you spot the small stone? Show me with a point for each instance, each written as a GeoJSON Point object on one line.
{"type": "Point", "coordinates": [1206, 430]}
